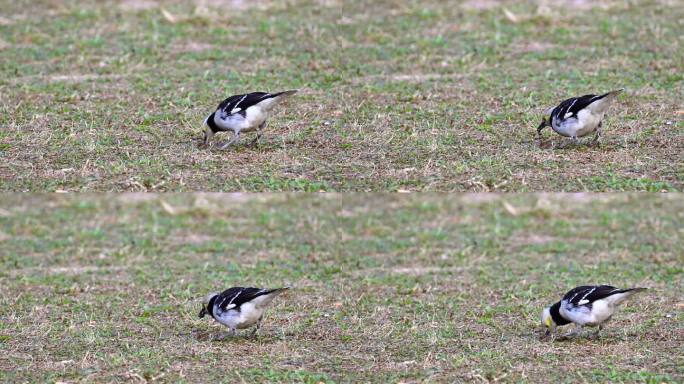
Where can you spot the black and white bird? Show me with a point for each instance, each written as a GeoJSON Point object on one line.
{"type": "Point", "coordinates": [239, 307]}
{"type": "Point", "coordinates": [590, 305]}
{"type": "Point", "coordinates": [242, 113]}
{"type": "Point", "coordinates": [578, 116]}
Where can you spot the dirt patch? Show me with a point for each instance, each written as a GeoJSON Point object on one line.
{"type": "Point", "coordinates": [534, 46]}
{"type": "Point", "coordinates": [192, 238]}
{"type": "Point", "coordinates": [6, 21]}
{"type": "Point", "coordinates": [584, 4]}
{"type": "Point", "coordinates": [480, 5]}
{"type": "Point", "coordinates": [79, 78]}
{"type": "Point", "coordinates": [192, 47]}
{"type": "Point", "coordinates": [417, 271]}
{"type": "Point", "coordinates": [135, 198]}
{"type": "Point", "coordinates": [234, 4]}
{"type": "Point", "coordinates": [413, 77]}
{"type": "Point", "coordinates": [138, 5]}
{"type": "Point", "coordinates": [480, 198]}
{"type": "Point", "coordinates": [72, 270]}
{"type": "Point", "coordinates": [412, 271]}
{"type": "Point", "coordinates": [532, 239]}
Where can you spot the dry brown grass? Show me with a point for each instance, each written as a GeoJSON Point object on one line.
{"type": "Point", "coordinates": [385, 288]}
{"type": "Point", "coordinates": [394, 95]}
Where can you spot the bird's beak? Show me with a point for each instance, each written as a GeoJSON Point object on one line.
{"type": "Point", "coordinates": [208, 134]}
{"type": "Point", "coordinates": [203, 312]}
{"type": "Point", "coordinates": [544, 334]}
{"type": "Point", "coordinates": [541, 126]}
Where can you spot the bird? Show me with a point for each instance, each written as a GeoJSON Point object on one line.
{"type": "Point", "coordinates": [578, 116]}
{"type": "Point", "coordinates": [587, 305]}
{"type": "Point", "coordinates": [239, 307]}
{"type": "Point", "coordinates": [242, 113]}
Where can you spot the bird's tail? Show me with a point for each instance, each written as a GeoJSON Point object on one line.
{"type": "Point", "coordinates": [272, 99]}
{"type": "Point", "coordinates": [624, 294]}
{"type": "Point", "coordinates": [602, 102]}
{"type": "Point", "coordinates": [277, 290]}
{"type": "Point", "coordinates": [286, 93]}
{"type": "Point", "coordinates": [267, 296]}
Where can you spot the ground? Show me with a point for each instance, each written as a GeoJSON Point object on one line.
{"type": "Point", "coordinates": [385, 288]}
{"type": "Point", "coordinates": [394, 95]}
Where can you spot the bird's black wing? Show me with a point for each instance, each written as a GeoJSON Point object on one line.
{"type": "Point", "coordinates": [570, 108]}
{"type": "Point", "coordinates": [587, 294]}
{"type": "Point", "coordinates": [233, 298]}
{"type": "Point", "coordinates": [238, 103]}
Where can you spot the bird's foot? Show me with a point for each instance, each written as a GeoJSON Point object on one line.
{"type": "Point", "coordinates": [574, 332]}
{"type": "Point", "coordinates": [230, 333]}
{"type": "Point", "coordinates": [221, 337]}
{"type": "Point", "coordinates": [596, 335]}
{"type": "Point", "coordinates": [563, 337]}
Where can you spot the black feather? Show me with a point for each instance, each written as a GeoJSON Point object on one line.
{"type": "Point", "coordinates": [591, 293]}
{"type": "Point", "coordinates": [212, 124]}
{"type": "Point", "coordinates": [556, 316]}
{"type": "Point", "coordinates": [573, 105]}
{"type": "Point", "coordinates": [243, 102]}
{"type": "Point", "coordinates": [239, 296]}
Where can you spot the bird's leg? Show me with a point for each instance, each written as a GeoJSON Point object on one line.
{"type": "Point", "coordinates": [539, 130]}
{"type": "Point", "coordinates": [230, 333]}
{"type": "Point", "coordinates": [597, 135]}
{"type": "Point", "coordinates": [576, 331]}
{"type": "Point", "coordinates": [258, 326]}
{"type": "Point", "coordinates": [573, 140]}
{"type": "Point", "coordinates": [208, 135]}
{"type": "Point", "coordinates": [260, 131]}
{"type": "Point", "coordinates": [234, 140]}
{"type": "Point", "coordinates": [597, 334]}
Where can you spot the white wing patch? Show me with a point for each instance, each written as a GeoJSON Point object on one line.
{"type": "Point", "coordinates": [583, 301]}
{"type": "Point", "coordinates": [568, 113]}
{"type": "Point", "coordinates": [230, 306]}
{"type": "Point", "coordinates": [235, 108]}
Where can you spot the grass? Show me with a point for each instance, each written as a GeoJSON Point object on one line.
{"type": "Point", "coordinates": [410, 95]}
{"type": "Point", "coordinates": [386, 288]}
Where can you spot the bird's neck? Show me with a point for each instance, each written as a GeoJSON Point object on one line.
{"type": "Point", "coordinates": [556, 316]}
{"type": "Point", "coordinates": [212, 124]}
{"type": "Point", "coordinates": [210, 306]}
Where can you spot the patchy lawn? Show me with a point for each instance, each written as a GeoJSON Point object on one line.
{"type": "Point", "coordinates": [412, 95]}
{"type": "Point", "coordinates": [385, 288]}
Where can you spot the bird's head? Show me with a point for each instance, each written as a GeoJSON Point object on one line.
{"type": "Point", "coordinates": [546, 122]}
{"type": "Point", "coordinates": [207, 303]}
{"type": "Point", "coordinates": [209, 129]}
{"type": "Point", "coordinates": [548, 324]}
